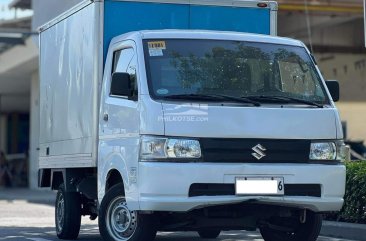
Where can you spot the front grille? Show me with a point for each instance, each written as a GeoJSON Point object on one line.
{"type": "Point", "coordinates": [310, 190]}
{"type": "Point", "coordinates": [200, 189]}
{"type": "Point", "coordinates": [208, 189]}
{"type": "Point", "coordinates": [240, 150]}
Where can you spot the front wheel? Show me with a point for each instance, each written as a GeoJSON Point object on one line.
{"type": "Point", "coordinates": [118, 223]}
{"type": "Point", "coordinates": [308, 231]}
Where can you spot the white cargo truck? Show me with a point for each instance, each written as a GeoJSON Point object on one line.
{"type": "Point", "coordinates": [186, 115]}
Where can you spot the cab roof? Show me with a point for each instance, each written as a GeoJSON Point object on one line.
{"type": "Point", "coordinates": [207, 34]}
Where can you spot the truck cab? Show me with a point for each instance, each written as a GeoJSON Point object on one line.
{"type": "Point", "coordinates": [203, 123]}
{"type": "Point", "coordinates": [185, 121]}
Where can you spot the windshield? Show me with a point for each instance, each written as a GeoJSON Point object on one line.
{"type": "Point", "coordinates": [231, 68]}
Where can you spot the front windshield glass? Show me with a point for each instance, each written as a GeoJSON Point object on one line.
{"type": "Point", "coordinates": [230, 68]}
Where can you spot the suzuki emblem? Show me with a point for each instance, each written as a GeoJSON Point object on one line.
{"type": "Point", "coordinates": [259, 151]}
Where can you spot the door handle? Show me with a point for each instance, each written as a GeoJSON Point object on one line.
{"type": "Point", "coordinates": [105, 117]}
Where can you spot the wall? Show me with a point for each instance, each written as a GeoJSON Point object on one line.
{"type": "Point", "coordinates": [354, 113]}
{"type": "Point", "coordinates": [325, 30]}
{"type": "Point", "coordinates": [350, 71]}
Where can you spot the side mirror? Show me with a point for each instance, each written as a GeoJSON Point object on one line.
{"type": "Point", "coordinates": [121, 85]}
{"type": "Point", "coordinates": [333, 87]}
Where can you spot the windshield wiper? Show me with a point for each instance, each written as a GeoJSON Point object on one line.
{"type": "Point", "coordinates": [240, 99]}
{"type": "Point", "coordinates": [212, 97]}
{"type": "Point", "coordinates": [285, 99]}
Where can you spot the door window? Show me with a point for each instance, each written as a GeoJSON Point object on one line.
{"type": "Point", "coordinates": [125, 61]}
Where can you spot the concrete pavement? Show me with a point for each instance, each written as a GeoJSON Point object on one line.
{"type": "Point", "coordinates": [29, 215]}
{"type": "Point", "coordinates": [44, 196]}
{"type": "Point", "coordinates": [348, 230]}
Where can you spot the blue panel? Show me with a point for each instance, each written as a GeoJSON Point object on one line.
{"type": "Point", "coordinates": [123, 17]}
{"type": "Point", "coordinates": [252, 20]}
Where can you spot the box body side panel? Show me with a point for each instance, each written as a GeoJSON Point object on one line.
{"type": "Point", "coordinates": [69, 75]}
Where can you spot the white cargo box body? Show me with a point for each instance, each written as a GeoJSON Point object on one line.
{"type": "Point", "coordinates": [70, 69]}
{"type": "Point", "coordinates": [72, 52]}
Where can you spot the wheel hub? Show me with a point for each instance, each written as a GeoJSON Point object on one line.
{"type": "Point", "coordinates": [121, 222]}
{"type": "Point", "coordinates": [122, 218]}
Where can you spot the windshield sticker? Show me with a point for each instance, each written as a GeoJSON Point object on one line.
{"type": "Point", "coordinates": [162, 91]}
{"type": "Point", "coordinates": [155, 52]}
{"type": "Point", "coordinates": [156, 48]}
{"type": "Point", "coordinates": [157, 45]}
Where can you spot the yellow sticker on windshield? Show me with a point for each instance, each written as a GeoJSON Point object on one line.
{"type": "Point", "coordinates": [156, 48]}
{"type": "Point", "coordinates": [157, 45]}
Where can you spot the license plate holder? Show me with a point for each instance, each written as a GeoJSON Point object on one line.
{"type": "Point", "coordinates": [271, 186]}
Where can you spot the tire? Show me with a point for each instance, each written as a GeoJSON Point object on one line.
{"type": "Point", "coordinates": [67, 214]}
{"type": "Point", "coordinates": [308, 231]}
{"type": "Point", "coordinates": [118, 223]}
{"type": "Point", "coordinates": [209, 233]}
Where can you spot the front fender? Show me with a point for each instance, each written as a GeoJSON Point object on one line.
{"type": "Point", "coordinates": [120, 155]}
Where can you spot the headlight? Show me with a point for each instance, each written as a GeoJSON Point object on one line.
{"type": "Point", "coordinates": [153, 147]}
{"type": "Point", "coordinates": [164, 148]}
{"type": "Point", "coordinates": [181, 148]}
{"type": "Point", "coordinates": [328, 151]}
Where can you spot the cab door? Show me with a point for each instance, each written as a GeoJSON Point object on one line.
{"type": "Point", "coordinates": [120, 115]}
{"type": "Point", "coordinates": [119, 122]}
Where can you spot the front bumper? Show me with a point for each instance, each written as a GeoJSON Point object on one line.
{"type": "Point", "coordinates": [165, 186]}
